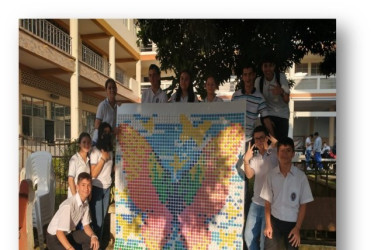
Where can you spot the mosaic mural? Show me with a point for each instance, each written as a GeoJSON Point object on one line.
{"type": "Point", "coordinates": [177, 186]}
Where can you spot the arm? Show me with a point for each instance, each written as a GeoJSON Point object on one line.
{"type": "Point", "coordinates": [249, 172]}
{"type": "Point", "coordinates": [294, 235]}
{"type": "Point", "coordinates": [269, 125]}
{"type": "Point", "coordinates": [268, 228]}
{"type": "Point", "coordinates": [96, 169]}
{"type": "Point", "coordinates": [63, 240]}
{"type": "Point", "coordinates": [94, 240]}
{"type": "Point", "coordinates": [72, 185]}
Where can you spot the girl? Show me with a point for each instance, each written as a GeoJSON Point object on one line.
{"type": "Point", "coordinates": [211, 87]}
{"type": "Point", "coordinates": [79, 162]}
{"type": "Point", "coordinates": [185, 90]}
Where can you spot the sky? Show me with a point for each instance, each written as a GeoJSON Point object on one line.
{"type": "Point", "coordinates": [354, 89]}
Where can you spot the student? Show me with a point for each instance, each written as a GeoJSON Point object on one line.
{"type": "Point", "coordinates": [101, 170]}
{"type": "Point", "coordinates": [185, 90]}
{"type": "Point", "coordinates": [258, 165]}
{"type": "Point", "coordinates": [211, 86]}
{"type": "Point", "coordinates": [107, 109]}
{"type": "Point", "coordinates": [154, 94]}
{"type": "Point", "coordinates": [308, 150]}
{"type": "Point", "coordinates": [79, 162]}
{"type": "Point", "coordinates": [286, 192]}
{"type": "Point", "coordinates": [255, 102]}
{"type": "Point", "coordinates": [317, 146]}
{"type": "Point", "coordinates": [274, 87]}
{"type": "Point", "coordinates": [61, 233]}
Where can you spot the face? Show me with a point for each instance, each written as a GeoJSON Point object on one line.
{"type": "Point", "coordinates": [210, 86]}
{"type": "Point", "coordinates": [260, 139]}
{"type": "Point", "coordinates": [154, 78]}
{"type": "Point", "coordinates": [84, 188]}
{"type": "Point", "coordinates": [184, 81]}
{"type": "Point", "coordinates": [111, 90]}
{"type": "Point", "coordinates": [248, 77]}
{"type": "Point", "coordinates": [285, 154]}
{"type": "Point", "coordinates": [106, 131]}
{"type": "Point", "coordinates": [268, 70]}
{"type": "Point", "coordinates": [85, 144]}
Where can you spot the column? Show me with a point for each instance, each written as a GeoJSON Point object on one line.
{"type": "Point", "coordinates": [112, 57]}
{"type": "Point", "coordinates": [74, 81]}
{"type": "Point", "coordinates": [331, 129]}
{"type": "Point", "coordinates": [138, 78]}
{"type": "Point", "coordinates": [292, 117]}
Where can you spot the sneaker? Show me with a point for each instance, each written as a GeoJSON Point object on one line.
{"type": "Point", "coordinates": [308, 168]}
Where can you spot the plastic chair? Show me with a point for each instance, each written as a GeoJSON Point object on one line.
{"type": "Point", "coordinates": [40, 171]}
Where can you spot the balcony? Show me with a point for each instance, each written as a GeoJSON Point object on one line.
{"type": "Point", "coordinates": [314, 84]}
{"type": "Point", "coordinates": [95, 60]}
{"type": "Point", "coordinates": [48, 32]}
{"type": "Point", "coordinates": [122, 77]}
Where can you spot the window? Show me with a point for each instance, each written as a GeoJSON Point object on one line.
{"type": "Point", "coordinates": [315, 69]}
{"type": "Point", "coordinates": [301, 68]}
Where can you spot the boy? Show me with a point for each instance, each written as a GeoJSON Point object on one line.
{"type": "Point", "coordinates": [286, 192]}
{"type": "Point", "coordinates": [61, 233]}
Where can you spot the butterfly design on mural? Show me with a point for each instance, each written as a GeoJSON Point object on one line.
{"type": "Point", "coordinates": [157, 183]}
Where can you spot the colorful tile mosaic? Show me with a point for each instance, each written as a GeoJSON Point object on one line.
{"type": "Point", "coordinates": [177, 186]}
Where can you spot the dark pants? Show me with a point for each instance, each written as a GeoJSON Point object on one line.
{"type": "Point", "coordinates": [281, 230]}
{"type": "Point", "coordinates": [76, 238]}
{"type": "Point", "coordinates": [280, 126]}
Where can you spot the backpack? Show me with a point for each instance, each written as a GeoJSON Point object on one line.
{"type": "Point", "coordinates": [277, 77]}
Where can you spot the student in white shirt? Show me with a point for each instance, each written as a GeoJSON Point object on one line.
{"type": "Point", "coordinates": [154, 94]}
{"type": "Point", "coordinates": [61, 233]}
{"type": "Point", "coordinates": [211, 86]}
{"type": "Point", "coordinates": [79, 162]}
{"type": "Point", "coordinates": [185, 90]}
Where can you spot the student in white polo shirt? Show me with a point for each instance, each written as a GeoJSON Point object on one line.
{"type": "Point", "coordinates": [61, 233]}
{"type": "Point", "coordinates": [154, 94]}
{"type": "Point", "coordinates": [286, 192]}
{"type": "Point", "coordinates": [107, 109]}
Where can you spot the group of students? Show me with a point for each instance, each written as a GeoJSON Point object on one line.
{"type": "Point", "coordinates": [89, 178]}
{"type": "Point", "coordinates": [280, 189]}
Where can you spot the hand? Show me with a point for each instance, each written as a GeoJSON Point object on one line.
{"type": "Point", "coordinates": [268, 232]}
{"type": "Point", "coordinates": [272, 139]}
{"type": "Point", "coordinates": [94, 243]}
{"type": "Point", "coordinates": [105, 155]}
{"type": "Point", "coordinates": [277, 90]}
{"type": "Point", "coordinates": [249, 154]}
{"type": "Point", "coordinates": [294, 237]}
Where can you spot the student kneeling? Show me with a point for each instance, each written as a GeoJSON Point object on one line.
{"type": "Point", "coordinates": [61, 232]}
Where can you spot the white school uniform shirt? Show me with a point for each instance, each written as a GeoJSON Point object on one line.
{"type": "Point", "coordinates": [76, 166]}
{"type": "Point", "coordinates": [261, 165]}
{"type": "Point", "coordinates": [104, 179]}
{"type": "Point", "coordinates": [216, 99]}
{"type": "Point", "coordinates": [286, 193]}
{"type": "Point", "coordinates": [105, 113]}
{"type": "Point", "coordinates": [69, 214]}
{"type": "Point", "coordinates": [183, 99]}
{"type": "Point", "coordinates": [149, 97]}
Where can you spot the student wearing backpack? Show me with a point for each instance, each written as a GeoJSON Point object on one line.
{"type": "Point", "coordinates": [274, 87]}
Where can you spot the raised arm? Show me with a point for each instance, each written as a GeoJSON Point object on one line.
{"type": "Point", "coordinates": [249, 172]}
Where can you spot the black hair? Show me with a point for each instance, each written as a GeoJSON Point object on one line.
{"type": "Point", "coordinates": [311, 135]}
{"type": "Point", "coordinates": [191, 94]}
{"type": "Point", "coordinates": [316, 133]}
{"type": "Point", "coordinates": [82, 135]}
{"type": "Point", "coordinates": [155, 68]}
{"type": "Point", "coordinates": [84, 175]}
{"type": "Point", "coordinates": [241, 82]}
{"type": "Point", "coordinates": [286, 141]}
{"type": "Point", "coordinates": [110, 80]}
{"type": "Point", "coordinates": [104, 142]}
{"type": "Point", "coordinates": [260, 129]}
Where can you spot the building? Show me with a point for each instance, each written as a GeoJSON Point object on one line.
{"type": "Point", "coordinates": [63, 66]}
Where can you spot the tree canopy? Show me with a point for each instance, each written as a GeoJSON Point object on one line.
{"type": "Point", "coordinates": [220, 47]}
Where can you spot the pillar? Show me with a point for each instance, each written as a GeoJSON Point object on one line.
{"type": "Point", "coordinates": [74, 81]}
{"type": "Point", "coordinates": [291, 121]}
{"type": "Point", "coordinates": [112, 57]}
{"type": "Point", "coordinates": [331, 129]}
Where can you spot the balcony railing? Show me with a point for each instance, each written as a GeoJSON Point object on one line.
{"type": "Point", "coordinates": [303, 83]}
{"type": "Point", "coordinates": [95, 60]}
{"type": "Point", "coordinates": [48, 32]}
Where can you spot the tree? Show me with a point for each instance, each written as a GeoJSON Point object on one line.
{"type": "Point", "coordinates": [221, 46]}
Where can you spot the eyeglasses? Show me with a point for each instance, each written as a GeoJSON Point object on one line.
{"type": "Point", "coordinates": [260, 138]}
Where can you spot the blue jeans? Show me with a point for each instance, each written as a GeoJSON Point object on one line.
{"type": "Point", "coordinates": [318, 159]}
{"type": "Point", "coordinates": [307, 157]}
{"type": "Point", "coordinates": [99, 205]}
{"type": "Point", "coordinates": [254, 227]}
